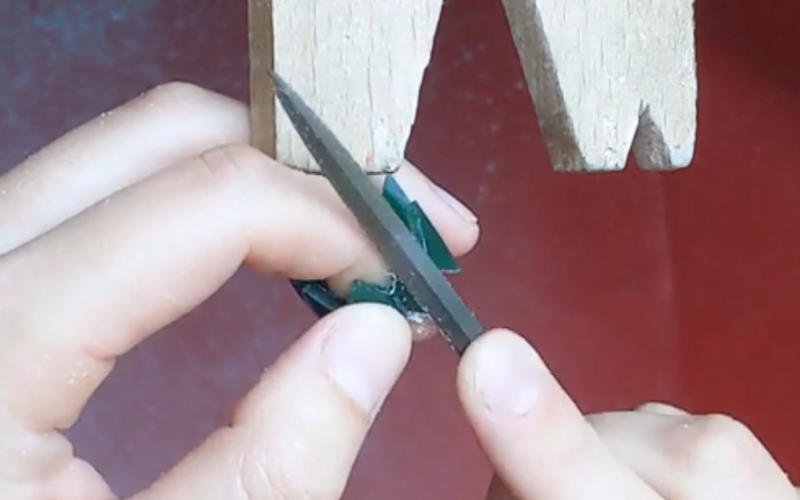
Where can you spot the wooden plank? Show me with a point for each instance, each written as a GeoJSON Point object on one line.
{"type": "Point", "coordinates": [608, 76]}
{"type": "Point", "coordinates": [358, 63]}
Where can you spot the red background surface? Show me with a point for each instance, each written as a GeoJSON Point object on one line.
{"type": "Point", "coordinates": [634, 286]}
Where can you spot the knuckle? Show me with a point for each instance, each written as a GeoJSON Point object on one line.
{"type": "Point", "coordinates": [230, 162]}
{"type": "Point", "coordinates": [660, 408]}
{"type": "Point", "coordinates": [650, 407]}
{"type": "Point", "coordinates": [191, 115]}
{"type": "Point", "coordinates": [16, 314]}
{"type": "Point", "coordinates": [177, 94]}
{"type": "Point", "coordinates": [233, 170]}
{"type": "Point", "coordinates": [718, 445]}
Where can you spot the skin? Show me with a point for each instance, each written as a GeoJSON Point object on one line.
{"type": "Point", "coordinates": [163, 194]}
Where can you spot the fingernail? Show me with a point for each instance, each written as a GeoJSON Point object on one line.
{"type": "Point", "coordinates": [455, 204]}
{"type": "Point", "coordinates": [507, 374]}
{"type": "Point", "coordinates": [365, 352]}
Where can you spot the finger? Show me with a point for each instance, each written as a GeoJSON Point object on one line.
{"type": "Point", "coordinates": [694, 457]}
{"type": "Point", "coordinates": [662, 409]}
{"type": "Point", "coordinates": [297, 434]}
{"type": "Point", "coordinates": [443, 206]}
{"type": "Point", "coordinates": [534, 435]}
{"type": "Point", "coordinates": [119, 272]}
{"type": "Point", "coordinates": [168, 124]}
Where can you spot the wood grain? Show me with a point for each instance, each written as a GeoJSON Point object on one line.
{"type": "Point", "coordinates": [608, 76]}
{"type": "Point", "coordinates": [358, 63]}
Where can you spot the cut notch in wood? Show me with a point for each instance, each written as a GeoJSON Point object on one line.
{"type": "Point", "coordinates": [358, 63]}
{"type": "Point", "coordinates": [610, 76]}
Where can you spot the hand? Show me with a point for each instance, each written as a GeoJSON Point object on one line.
{"type": "Point", "coordinates": [130, 221]}
{"type": "Point", "coordinates": [544, 449]}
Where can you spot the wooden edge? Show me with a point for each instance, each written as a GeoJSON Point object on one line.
{"type": "Point", "coordinates": [610, 77]}
{"type": "Point", "coordinates": [359, 64]}
{"type": "Point", "coordinates": [262, 93]}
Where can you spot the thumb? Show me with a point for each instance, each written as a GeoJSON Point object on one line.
{"type": "Point", "coordinates": [532, 431]}
{"type": "Point", "coordinates": [297, 434]}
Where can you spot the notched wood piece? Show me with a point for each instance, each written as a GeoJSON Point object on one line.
{"type": "Point", "coordinates": [608, 76]}
{"type": "Point", "coordinates": [359, 64]}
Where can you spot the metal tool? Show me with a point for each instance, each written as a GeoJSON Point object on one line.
{"type": "Point", "coordinates": [401, 252]}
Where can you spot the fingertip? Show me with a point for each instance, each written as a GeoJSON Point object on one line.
{"type": "Point", "coordinates": [501, 375]}
{"type": "Point", "coordinates": [382, 327]}
{"type": "Point", "coordinates": [487, 344]}
{"type": "Point", "coordinates": [365, 349]}
{"type": "Point", "coordinates": [457, 224]}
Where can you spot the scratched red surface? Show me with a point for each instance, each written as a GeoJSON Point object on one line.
{"type": "Point", "coordinates": [679, 286]}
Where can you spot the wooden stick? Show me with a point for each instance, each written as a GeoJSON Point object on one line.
{"type": "Point", "coordinates": [610, 75]}
{"type": "Point", "coordinates": [358, 63]}
{"type": "Point", "coordinates": [262, 94]}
